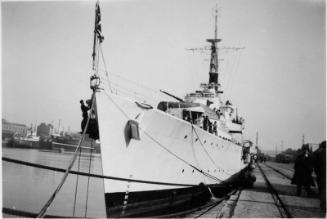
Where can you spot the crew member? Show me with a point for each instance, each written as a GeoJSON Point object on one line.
{"type": "Point", "coordinates": [320, 170]}
{"type": "Point", "coordinates": [84, 109]}
{"type": "Point", "coordinates": [303, 171]}
{"type": "Point", "coordinates": [215, 128]}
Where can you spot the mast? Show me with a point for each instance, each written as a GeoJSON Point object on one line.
{"type": "Point", "coordinates": [97, 40]}
{"type": "Point", "coordinates": [213, 71]}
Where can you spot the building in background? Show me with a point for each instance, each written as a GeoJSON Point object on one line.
{"type": "Point", "coordinates": [44, 130]}
{"type": "Point", "coordinates": [10, 129]}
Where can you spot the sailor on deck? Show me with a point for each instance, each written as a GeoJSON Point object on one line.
{"type": "Point", "coordinates": [84, 109]}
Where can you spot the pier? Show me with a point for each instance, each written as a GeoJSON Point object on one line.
{"type": "Point", "coordinates": [272, 196]}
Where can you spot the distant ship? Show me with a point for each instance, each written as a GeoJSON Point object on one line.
{"type": "Point", "coordinates": [29, 141]}
{"type": "Point", "coordinates": [26, 142]}
{"type": "Point", "coordinates": [169, 157]}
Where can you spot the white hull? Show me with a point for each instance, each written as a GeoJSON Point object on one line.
{"type": "Point", "coordinates": [167, 149]}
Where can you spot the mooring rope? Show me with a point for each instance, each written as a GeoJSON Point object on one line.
{"type": "Point", "coordinates": [57, 169]}
{"type": "Point", "coordinates": [52, 197]}
{"type": "Point", "coordinates": [77, 177]}
{"type": "Point", "coordinates": [88, 182]}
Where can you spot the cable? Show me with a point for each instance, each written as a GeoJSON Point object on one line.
{"type": "Point", "coordinates": [92, 174]}
{"type": "Point", "coordinates": [207, 152]}
{"type": "Point", "coordinates": [136, 83]}
{"type": "Point", "coordinates": [52, 197]}
{"type": "Point", "coordinates": [77, 177]}
{"type": "Point", "coordinates": [162, 146]}
{"type": "Point", "coordinates": [133, 92]}
{"type": "Point", "coordinates": [105, 67]}
{"type": "Point", "coordinates": [88, 181]}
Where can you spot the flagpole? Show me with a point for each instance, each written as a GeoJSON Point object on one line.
{"type": "Point", "coordinates": [95, 37]}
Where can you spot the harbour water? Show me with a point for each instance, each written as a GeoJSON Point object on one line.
{"type": "Point", "coordinates": [28, 188]}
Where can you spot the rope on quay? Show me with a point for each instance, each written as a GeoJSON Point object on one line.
{"type": "Point", "coordinates": [92, 174]}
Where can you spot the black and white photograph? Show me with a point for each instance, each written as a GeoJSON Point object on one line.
{"type": "Point", "coordinates": [163, 108]}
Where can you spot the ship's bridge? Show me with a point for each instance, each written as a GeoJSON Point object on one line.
{"type": "Point", "coordinates": [207, 96]}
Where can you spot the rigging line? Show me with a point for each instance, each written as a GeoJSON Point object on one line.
{"type": "Point", "coordinates": [133, 92]}
{"type": "Point", "coordinates": [103, 60]}
{"type": "Point", "coordinates": [237, 61]}
{"type": "Point", "coordinates": [179, 158]}
{"type": "Point", "coordinates": [162, 146]}
{"type": "Point", "coordinates": [77, 179]}
{"type": "Point", "coordinates": [98, 59]}
{"type": "Point", "coordinates": [236, 68]}
{"type": "Point", "coordinates": [230, 71]}
{"type": "Point", "coordinates": [52, 197]}
{"type": "Point", "coordinates": [92, 174]}
{"type": "Point", "coordinates": [194, 154]}
{"type": "Point", "coordinates": [136, 83]}
{"type": "Point", "coordinates": [233, 58]}
{"type": "Point", "coordinates": [208, 153]}
{"type": "Point", "coordinates": [88, 181]}
{"type": "Point", "coordinates": [139, 96]}
{"type": "Point", "coordinates": [193, 151]}
{"type": "Point", "coordinates": [105, 66]}
{"type": "Point", "coordinates": [128, 94]}
{"type": "Point", "coordinates": [204, 147]}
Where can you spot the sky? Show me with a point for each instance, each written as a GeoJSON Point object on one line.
{"type": "Point", "coordinates": [277, 81]}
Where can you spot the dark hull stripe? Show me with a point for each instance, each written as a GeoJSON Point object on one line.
{"type": "Point", "coordinates": [164, 202]}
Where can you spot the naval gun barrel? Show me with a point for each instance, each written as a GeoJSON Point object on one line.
{"type": "Point", "coordinates": [173, 96]}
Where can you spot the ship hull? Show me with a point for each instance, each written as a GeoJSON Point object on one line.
{"type": "Point", "coordinates": [183, 160]}
{"type": "Point", "coordinates": [25, 144]}
{"type": "Point", "coordinates": [167, 202]}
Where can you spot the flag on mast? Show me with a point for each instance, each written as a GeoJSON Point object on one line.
{"type": "Point", "coordinates": [98, 29]}
{"type": "Point", "coordinates": [97, 32]}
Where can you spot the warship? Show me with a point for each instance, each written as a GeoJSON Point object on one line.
{"type": "Point", "coordinates": [167, 157]}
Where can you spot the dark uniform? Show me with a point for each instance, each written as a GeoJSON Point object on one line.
{"type": "Point", "coordinates": [214, 128]}
{"type": "Point", "coordinates": [84, 114]}
{"type": "Point", "coordinates": [205, 123]}
{"type": "Point", "coordinates": [303, 168]}
{"type": "Point", "coordinates": [320, 170]}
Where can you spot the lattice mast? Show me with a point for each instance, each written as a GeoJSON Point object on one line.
{"type": "Point", "coordinates": [214, 65]}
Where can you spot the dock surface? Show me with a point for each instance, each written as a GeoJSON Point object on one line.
{"type": "Point", "coordinates": [272, 196]}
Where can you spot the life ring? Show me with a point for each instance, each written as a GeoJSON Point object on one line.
{"type": "Point", "coordinates": [143, 105]}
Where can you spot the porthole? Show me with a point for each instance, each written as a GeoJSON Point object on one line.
{"type": "Point", "coordinates": [185, 136]}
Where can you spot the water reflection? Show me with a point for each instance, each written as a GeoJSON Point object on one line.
{"type": "Point", "coordinates": [28, 188]}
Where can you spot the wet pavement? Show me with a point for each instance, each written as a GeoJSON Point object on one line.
{"type": "Point", "coordinates": [261, 201]}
